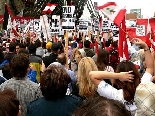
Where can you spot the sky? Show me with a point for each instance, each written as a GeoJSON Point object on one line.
{"type": "Point", "coordinates": [147, 6]}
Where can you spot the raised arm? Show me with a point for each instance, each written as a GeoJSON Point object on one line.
{"type": "Point", "coordinates": [148, 57]}
{"type": "Point", "coordinates": [98, 76]}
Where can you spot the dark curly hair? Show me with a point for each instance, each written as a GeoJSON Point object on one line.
{"type": "Point", "coordinates": [100, 106]}
{"type": "Point", "coordinates": [19, 65]}
{"type": "Point", "coordinates": [54, 82]}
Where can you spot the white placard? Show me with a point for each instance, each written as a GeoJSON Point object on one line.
{"type": "Point", "coordinates": [83, 26]}
{"type": "Point", "coordinates": [68, 20]}
{"type": "Point", "coordinates": [96, 24]}
{"type": "Point", "coordinates": [36, 25]}
{"type": "Point", "coordinates": [140, 30]}
{"type": "Point", "coordinates": [105, 26]}
{"type": "Point", "coordinates": [55, 24]}
{"type": "Point", "coordinates": [115, 30]}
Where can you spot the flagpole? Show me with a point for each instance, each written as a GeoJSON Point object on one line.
{"type": "Point", "coordinates": [45, 29]}
{"type": "Point", "coordinates": [66, 44]}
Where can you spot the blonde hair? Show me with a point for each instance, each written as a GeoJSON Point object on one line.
{"type": "Point", "coordinates": [86, 87]}
{"type": "Point", "coordinates": [74, 52]}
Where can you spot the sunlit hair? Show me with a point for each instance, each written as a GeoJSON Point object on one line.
{"type": "Point", "coordinates": [86, 87]}
{"type": "Point", "coordinates": [75, 51]}
{"type": "Point", "coordinates": [54, 82]}
{"type": "Point", "coordinates": [100, 106]}
{"type": "Point", "coordinates": [128, 88]}
{"type": "Point", "coordinates": [102, 59]}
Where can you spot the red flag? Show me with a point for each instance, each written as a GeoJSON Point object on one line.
{"type": "Point", "coordinates": [131, 32]}
{"type": "Point", "coordinates": [142, 30]}
{"type": "Point", "coordinates": [113, 12]}
{"type": "Point", "coordinates": [49, 8]}
{"type": "Point", "coordinates": [123, 46]}
{"type": "Point", "coordinates": [96, 46]}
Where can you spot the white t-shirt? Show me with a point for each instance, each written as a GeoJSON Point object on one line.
{"type": "Point", "coordinates": [106, 90]}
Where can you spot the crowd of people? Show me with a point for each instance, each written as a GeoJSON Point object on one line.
{"type": "Point", "coordinates": [38, 79]}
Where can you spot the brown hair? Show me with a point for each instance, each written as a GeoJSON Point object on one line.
{"type": "Point", "coordinates": [9, 104]}
{"type": "Point", "coordinates": [102, 59]}
{"type": "Point", "coordinates": [86, 87]}
{"type": "Point", "coordinates": [19, 65]}
{"type": "Point", "coordinates": [54, 82]}
{"type": "Point", "coordinates": [128, 87]}
{"type": "Point", "coordinates": [100, 106]}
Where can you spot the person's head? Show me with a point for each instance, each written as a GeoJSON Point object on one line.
{"type": "Point", "coordinates": [17, 47]}
{"type": "Point", "coordinates": [54, 82]}
{"type": "Point", "coordinates": [62, 59]}
{"type": "Point", "coordinates": [100, 106]}
{"type": "Point", "coordinates": [32, 48]}
{"type": "Point", "coordinates": [9, 104]}
{"type": "Point", "coordinates": [38, 43]}
{"type": "Point", "coordinates": [23, 51]}
{"type": "Point", "coordinates": [56, 47]}
{"type": "Point", "coordinates": [87, 44]}
{"type": "Point", "coordinates": [102, 59]}
{"type": "Point", "coordinates": [19, 66]}
{"type": "Point", "coordinates": [86, 87]}
{"type": "Point", "coordinates": [128, 87]}
{"type": "Point", "coordinates": [12, 47]}
{"type": "Point", "coordinates": [76, 55]}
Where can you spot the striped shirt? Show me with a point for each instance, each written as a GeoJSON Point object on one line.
{"type": "Point", "coordinates": [26, 91]}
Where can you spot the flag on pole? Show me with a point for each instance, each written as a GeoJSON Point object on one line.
{"type": "Point", "coordinates": [113, 12]}
{"type": "Point", "coordinates": [6, 17]}
{"type": "Point", "coordinates": [49, 8]}
{"type": "Point", "coordinates": [123, 46]}
{"type": "Point", "coordinates": [143, 30]}
{"type": "Point", "coordinates": [8, 21]}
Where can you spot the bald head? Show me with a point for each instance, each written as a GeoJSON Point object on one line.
{"type": "Point", "coordinates": [61, 59]}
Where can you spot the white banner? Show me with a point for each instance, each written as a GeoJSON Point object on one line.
{"type": "Point", "coordinates": [140, 30]}
{"type": "Point", "coordinates": [55, 24]}
{"type": "Point", "coordinates": [83, 25]}
{"type": "Point", "coordinates": [115, 30]}
{"type": "Point", "coordinates": [96, 24]}
{"type": "Point", "coordinates": [68, 20]}
{"type": "Point", "coordinates": [105, 26]}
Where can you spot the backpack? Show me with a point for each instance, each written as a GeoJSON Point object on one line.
{"type": "Point", "coordinates": [114, 57]}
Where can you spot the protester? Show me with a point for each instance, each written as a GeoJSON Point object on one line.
{"type": "Point", "coordinates": [7, 59]}
{"type": "Point", "coordinates": [47, 60]}
{"type": "Point", "coordinates": [86, 87]}
{"type": "Point", "coordinates": [32, 72]}
{"type": "Point", "coordinates": [127, 77]}
{"type": "Point", "coordinates": [54, 83]}
{"type": "Point", "coordinates": [87, 49]}
{"type": "Point", "coordinates": [35, 61]}
{"type": "Point", "coordinates": [26, 90]}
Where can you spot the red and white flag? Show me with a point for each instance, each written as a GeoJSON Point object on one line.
{"type": "Point", "coordinates": [49, 8]}
{"type": "Point", "coordinates": [113, 12]}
